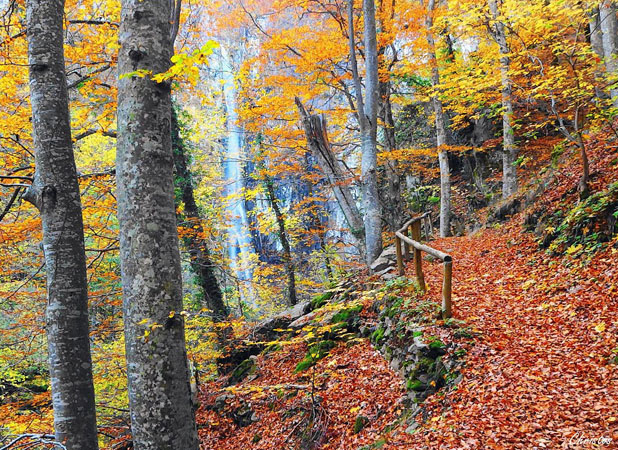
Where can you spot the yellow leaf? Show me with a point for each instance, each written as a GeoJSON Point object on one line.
{"type": "Point", "coordinates": [600, 327]}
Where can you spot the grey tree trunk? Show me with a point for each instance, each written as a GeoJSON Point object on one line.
{"type": "Point", "coordinates": [55, 192]}
{"type": "Point", "coordinates": [319, 146]}
{"type": "Point", "coordinates": [441, 136]}
{"type": "Point", "coordinates": [158, 376]}
{"type": "Point", "coordinates": [367, 109]}
{"type": "Point", "coordinates": [596, 36]}
{"type": "Point", "coordinates": [609, 27]}
{"type": "Point", "coordinates": [596, 42]}
{"type": "Point", "coordinates": [509, 171]}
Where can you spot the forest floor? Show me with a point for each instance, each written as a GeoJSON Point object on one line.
{"type": "Point", "coordinates": [541, 368]}
{"type": "Point", "coordinates": [538, 374]}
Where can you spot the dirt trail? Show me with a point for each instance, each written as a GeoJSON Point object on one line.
{"type": "Point", "coordinates": [539, 375]}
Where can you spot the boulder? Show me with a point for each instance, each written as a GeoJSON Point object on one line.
{"type": "Point", "coordinates": [266, 330]}
{"type": "Point", "coordinates": [386, 260]}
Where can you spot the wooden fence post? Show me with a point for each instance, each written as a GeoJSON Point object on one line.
{"type": "Point", "coordinates": [406, 246]}
{"type": "Point", "coordinates": [418, 256]}
{"type": "Point", "coordinates": [399, 256]}
{"type": "Point", "coordinates": [446, 289]}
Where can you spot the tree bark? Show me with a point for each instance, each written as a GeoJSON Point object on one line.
{"type": "Point", "coordinates": [596, 36]}
{"type": "Point", "coordinates": [441, 135]}
{"type": "Point", "coordinates": [596, 42]}
{"type": "Point", "coordinates": [392, 201]}
{"type": "Point", "coordinates": [509, 171]}
{"type": "Point", "coordinates": [609, 28]}
{"type": "Point", "coordinates": [317, 141]}
{"type": "Point", "coordinates": [158, 376]}
{"type": "Point", "coordinates": [367, 110]}
{"type": "Point", "coordinates": [285, 243]}
{"type": "Point", "coordinates": [199, 255]}
{"type": "Point", "coordinates": [55, 192]}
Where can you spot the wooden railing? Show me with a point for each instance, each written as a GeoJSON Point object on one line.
{"type": "Point", "coordinates": [410, 235]}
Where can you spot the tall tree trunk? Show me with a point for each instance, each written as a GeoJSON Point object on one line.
{"type": "Point", "coordinates": [317, 141]}
{"type": "Point", "coordinates": [609, 27]}
{"type": "Point", "coordinates": [288, 262]}
{"type": "Point", "coordinates": [55, 192]}
{"type": "Point", "coordinates": [509, 171]}
{"type": "Point", "coordinates": [367, 109]}
{"type": "Point", "coordinates": [441, 136]}
{"type": "Point", "coordinates": [596, 36]}
{"type": "Point", "coordinates": [199, 255]}
{"type": "Point", "coordinates": [391, 199]}
{"type": "Point", "coordinates": [158, 376]}
{"type": "Point", "coordinates": [392, 203]}
{"type": "Point", "coordinates": [596, 42]}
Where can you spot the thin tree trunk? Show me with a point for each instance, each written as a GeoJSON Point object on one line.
{"type": "Point", "coordinates": [55, 192]}
{"type": "Point", "coordinates": [441, 135]}
{"type": "Point", "coordinates": [288, 262]}
{"type": "Point", "coordinates": [609, 27]}
{"type": "Point", "coordinates": [392, 203]}
{"type": "Point", "coordinates": [158, 376]}
{"type": "Point", "coordinates": [317, 141]}
{"type": "Point", "coordinates": [509, 171]}
{"type": "Point", "coordinates": [200, 261]}
{"type": "Point", "coordinates": [367, 109]}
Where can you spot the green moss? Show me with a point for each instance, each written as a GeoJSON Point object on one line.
{"type": "Point", "coordinates": [244, 369]}
{"type": "Point", "coordinates": [415, 385]}
{"type": "Point", "coordinates": [377, 335]}
{"type": "Point", "coordinates": [345, 314]}
{"type": "Point", "coordinates": [360, 423]}
{"type": "Point", "coordinates": [316, 352]}
{"type": "Point", "coordinates": [436, 344]}
{"type": "Point", "coordinates": [320, 300]}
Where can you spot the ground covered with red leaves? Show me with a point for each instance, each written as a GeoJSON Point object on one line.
{"type": "Point", "coordinates": [540, 374]}
{"type": "Point", "coordinates": [353, 378]}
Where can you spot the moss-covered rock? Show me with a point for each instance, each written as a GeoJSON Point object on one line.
{"type": "Point", "coordinates": [243, 370]}
{"type": "Point", "coordinates": [316, 352]}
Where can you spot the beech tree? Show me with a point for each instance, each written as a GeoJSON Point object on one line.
{"type": "Point", "coordinates": [367, 111]}
{"type": "Point", "coordinates": [55, 192]}
{"type": "Point", "coordinates": [509, 171]}
{"type": "Point", "coordinates": [609, 28]}
{"type": "Point", "coordinates": [158, 375]}
{"type": "Point", "coordinates": [445, 171]}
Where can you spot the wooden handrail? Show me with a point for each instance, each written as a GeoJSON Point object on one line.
{"type": "Point", "coordinates": [413, 227]}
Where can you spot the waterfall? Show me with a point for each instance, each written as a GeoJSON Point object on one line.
{"type": "Point", "coordinates": [239, 243]}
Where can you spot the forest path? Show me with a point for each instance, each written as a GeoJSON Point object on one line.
{"type": "Point", "coordinates": [539, 374]}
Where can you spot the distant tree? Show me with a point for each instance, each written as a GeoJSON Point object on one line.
{"type": "Point", "coordinates": [509, 170]}
{"type": "Point", "coordinates": [158, 375]}
{"type": "Point", "coordinates": [55, 192]}
{"type": "Point", "coordinates": [199, 254]}
{"type": "Point", "coordinates": [445, 171]}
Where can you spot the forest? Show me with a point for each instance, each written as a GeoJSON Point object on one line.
{"type": "Point", "coordinates": [308, 224]}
